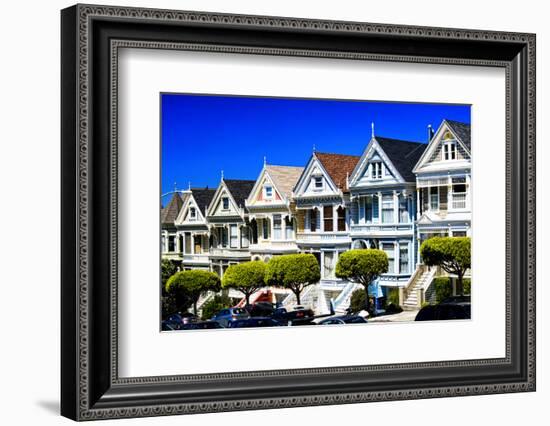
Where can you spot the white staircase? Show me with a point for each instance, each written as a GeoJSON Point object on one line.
{"type": "Point", "coordinates": [308, 298]}
{"type": "Point", "coordinates": [414, 291]}
{"type": "Point", "coordinates": [342, 302]}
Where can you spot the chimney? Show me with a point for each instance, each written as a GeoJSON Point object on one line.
{"type": "Point", "coordinates": [430, 132]}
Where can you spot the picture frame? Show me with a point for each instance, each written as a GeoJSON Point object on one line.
{"type": "Point", "coordinates": [90, 385]}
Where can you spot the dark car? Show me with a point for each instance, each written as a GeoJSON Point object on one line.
{"type": "Point", "coordinates": [170, 325]}
{"type": "Point", "coordinates": [182, 318]}
{"type": "Point", "coordinates": [297, 317]}
{"type": "Point", "coordinates": [260, 309]}
{"type": "Point", "coordinates": [201, 325]}
{"type": "Point", "coordinates": [344, 319]}
{"type": "Point", "coordinates": [444, 311]}
{"type": "Point", "coordinates": [456, 299]}
{"type": "Point", "coordinates": [254, 322]}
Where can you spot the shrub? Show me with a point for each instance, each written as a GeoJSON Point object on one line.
{"type": "Point", "coordinates": [357, 302]}
{"type": "Point", "coordinates": [217, 303]}
{"type": "Point", "coordinates": [190, 285]}
{"type": "Point", "coordinates": [467, 286]}
{"type": "Point", "coordinates": [443, 288]}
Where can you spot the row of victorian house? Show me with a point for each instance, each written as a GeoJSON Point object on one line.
{"type": "Point", "coordinates": [394, 196]}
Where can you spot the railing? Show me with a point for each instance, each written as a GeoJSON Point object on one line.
{"type": "Point", "coordinates": [382, 228]}
{"type": "Point", "coordinates": [305, 297]}
{"type": "Point", "coordinates": [230, 252]}
{"type": "Point", "coordinates": [319, 237]}
{"type": "Point", "coordinates": [196, 257]}
{"type": "Point", "coordinates": [412, 281]}
{"type": "Point", "coordinates": [341, 303]}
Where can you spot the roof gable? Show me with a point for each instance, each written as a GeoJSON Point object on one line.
{"type": "Point", "coordinates": [306, 183]}
{"type": "Point", "coordinates": [339, 167]}
{"type": "Point", "coordinates": [281, 179]}
{"type": "Point", "coordinates": [199, 199]}
{"type": "Point", "coordinates": [236, 192]}
{"type": "Point", "coordinates": [432, 159]}
{"type": "Point", "coordinates": [169, 213]}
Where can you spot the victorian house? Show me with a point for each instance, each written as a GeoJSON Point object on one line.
{"type": "Point", "coordinates": [228, 224]}
{"type": "Point", "coordinates": [322, 201]}
{"type": "Point", "coordinates": [192, 228]}
{"type": "Point", "coordinates": [443, 183]}
{"type": "Point", "coordinates": [271, 212]}
{"type": "Point", "coordinates": [383, 206]}
{"type": "Point", "coordinates": [170, 241]}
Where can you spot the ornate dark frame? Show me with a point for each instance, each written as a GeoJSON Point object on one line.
{"type": "Point", "coordinates": [91, 37]}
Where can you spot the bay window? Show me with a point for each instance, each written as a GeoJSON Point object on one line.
{"type": "Point", "coordinates": [387, 208]}
{"type": "Point", "coordinates": [327, 218]}
{"type": "Point", "coordinates": [233, 236]}
{"type": "Point", "coordinates": [276, 226]}
{"type": "Point", "coordinates": [388, 248]}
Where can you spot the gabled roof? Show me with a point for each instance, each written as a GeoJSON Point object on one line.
{"type": "Point", "coordinates": [284, 177]}
{"type": "Point", "coordinates": [203, 197]}
{"type": "Point", "coordinates": [169, 213]}
{"type": "Point", "coordinates": [338, 166]}
{"type": "Point", "coordinates": [403, 154]}
{"type": "Point", "coordinates": [462, 130]}
{"type": "Point", "coordinates": [240, 189]}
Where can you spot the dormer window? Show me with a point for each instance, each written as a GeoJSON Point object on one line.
{"type": "Point", "coordinates": [225, 203]}
{"type": "Point", "coordinates": [193, 213]}
{"type": "Point", "coordinates": [318, 182]}
{"type": "Point", "coordinates": [376, 170]}
{"type": "Point", "coordinates": [268, 191]}
{"type": "Point", "coordinates": [449, 150]}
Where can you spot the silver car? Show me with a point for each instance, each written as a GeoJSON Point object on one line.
{"type": "Point", "coordinates": [225, 316]}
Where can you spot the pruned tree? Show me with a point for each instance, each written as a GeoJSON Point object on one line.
{"type": "Point", "coordinates": [362, 266]}
{"type": "Point", "coordinates": [247, 277]}
{"type": "Point", "coordinates": [452, 254]}
{"type": "Point", "coordinates": [191, 284]}
{"type": "Point", "coordinates": [293, 271]}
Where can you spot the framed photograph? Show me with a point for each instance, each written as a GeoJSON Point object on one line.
{"type": "Point", "coordinates": [263, 212]}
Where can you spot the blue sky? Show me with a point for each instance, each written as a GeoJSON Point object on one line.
{"type": "Point", "coordinates": [204, 134]}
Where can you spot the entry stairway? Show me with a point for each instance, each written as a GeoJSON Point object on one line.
{"type": "Point", "coordinates": [415, 290]}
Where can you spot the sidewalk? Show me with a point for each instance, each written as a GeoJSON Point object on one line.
{"type": "Point", "coordinates": [400, 317]}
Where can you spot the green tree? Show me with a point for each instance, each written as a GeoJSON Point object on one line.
{"type": "Point", "coordinates": [357, 302]}
{"type": "Point", "coordinates": [452, 254]}
{"type": "Point", "coordinates": [191, 284]}
{"type": "Point", "coordinates": [214, 305]}
{"type": "Point", "coordinates": [362, 266]}
{"type": "Point", "coordinates": [247, 277]}
{"type": "Point", "coordinates": [293, 271]}
{"type": "Point", "coordinates": [167, 269]}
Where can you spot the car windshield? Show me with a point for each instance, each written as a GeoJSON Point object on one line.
{"type": "Point", "coordinates": [238, 311]}
{"type": "Point", "coordinates": [354, 320]}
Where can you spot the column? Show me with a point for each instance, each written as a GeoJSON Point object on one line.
{"type": "Point", "coordinates": [379, 194]}
{"type": "Point", "coordinates": [396, 266]}
{"type": "Point", "coordinates": [449, 194]}
{"type": "Point", "coordinates": [283, 227]}
{"type": "Point", "coordinates": [468, 195]}
{"type": "Point", "coordinates": [395, 207]}
{"type": "Point", "coordinates": [417, 203]}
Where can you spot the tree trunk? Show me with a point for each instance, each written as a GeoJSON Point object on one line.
{"type": "Point", "coordinates": [297, 293]}
{"type": "Point", "coordinates": [195, 306]}
{"type": "Point", "coordinates": [460, 282]}
{"type": "Point", "coordinates": [367, 301]}
{"type": "Point", "coordinates": [247, 297]}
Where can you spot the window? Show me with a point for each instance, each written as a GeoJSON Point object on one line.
{"type": "Point", "coordinates": [388, 249]}
{"type": "Point", "coordinates": [403, 258]}
{"type": "Point", "coordinates": [313, 220]}
{"type": "Point", "coordinates": [233, 236]}
{"type": "Point", "coordinates": [225, 203]}
{"type": "Point", "coordinates": [459, 233]}
{"type": "Point", "coordinates": [327, 218]}
{"type": "Point", "coordinates": [276, 226]}
{"type": "Point", "coordinates": [368, 209]}
{"type": "Point", "coordinates": [376, 170]}
{"type": "Point", "coordinates": [171, 243]}
{"type": "Point", "coordinates": [387, 209]}
{"type": "Point", "coordinates": [434, 198]}
{"type": "Point", "coordinates": [403, 210]}
{"type": "Point", "coordinates": [193, 213]}
{"type": "Point", "coordinates": [328, 264]}
{"type": "Point", "coordinates": [341, 215]}
{"type": "Point", "coordinates": [268, 191]}
{"type": "Point", "coordinates": [198, 244]}
{"type": "Point", "coordinates": [318, 182]}
{"type": "Point", "coordinates": [244, 237]}
{"type": "Point", "coordinates": [449, 151]}
{"type": "Point", "coordinates": [223, 234]}
{"type": "Point", "coordinates": [375, 210]}
{"type": "Point", "coordinates": [187, 242]}
{"type": "Point", "coordinates": [459, 196]}
{"type": "Point", "coordinates": [265, 228]}
{"type": "Point", "coordinates": [289, 227]}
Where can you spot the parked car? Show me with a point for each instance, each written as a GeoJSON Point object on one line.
{"type": "Point", "coordinates": [343, 319]}
{"type": "Point", "coordinates": [201, 325]}
{"type": "Point", "coordinates": [456, 299]}
{"type": "Point", "coordinates": [170, 325]}
{"type": "Point", "coordinates": [299, 317]}
{"type": "Point", "coordinates": [254, 322]}
{"type": "Point", "coordinates": [182, 318]}
{"type": "Point", "coordinates": [260, 309]}
{"type": "Point", "coordinates": [225, 316]}
{"type": "Point", "coordinates": [444, 311]}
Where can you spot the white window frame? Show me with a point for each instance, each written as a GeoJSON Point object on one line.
{"type": "Point", "coordinates": [270, 195]}
{"type": "Point", "coordinates": [315, 180]}
{"type": "Point", "coordinates": [277, 230]}
{"type": "Point", "coordinates": [453, 193]}
{"type": "Point", "coordinates": [449, 150]}
{"type": "Point", "coordinates": [224, 198]}
{"type": "Point", "coordinates": [430, 198]}
{"type": "Point", "coordinates": [382, 245]}
{"type": "Point", "coordinates": [231, 236]}
{"type": "Point", "coordinates": [376, 170]}
{"type": "Point", "coordinates": [192, 213]}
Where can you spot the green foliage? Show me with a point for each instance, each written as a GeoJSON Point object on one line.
{"type": "Point", "coordinates": [392, 301]}
{"type": "Point", "coordinates": [362, 266]}
{"type": "Point", "coordinates": [217, 303]}
{"type": "Point", "coordinates": [443, 288]}
{"type": "Point", "coordinates": [293, 271]}
{"type": "Point", "coordinates": [357, 302]}
{"type": "Point", "coordinates": [190, 284]}
{"type": "Point", "coordinates": [167, 269]}
{"type": "Point", "coordinates": [467, 286]}
{"type": "Point", "coordinates": [247, 277]}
